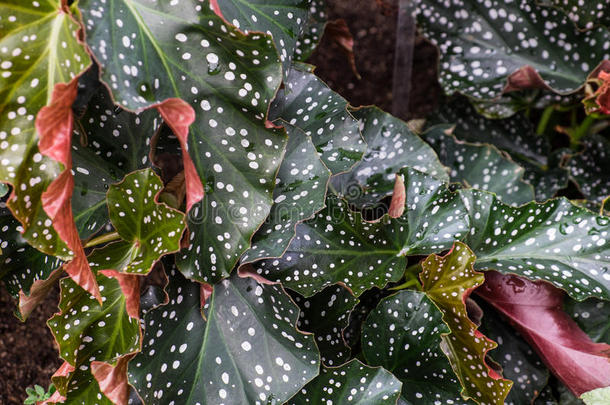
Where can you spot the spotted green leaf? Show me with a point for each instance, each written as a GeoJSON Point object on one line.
{"type": "Point", "coordinates": [115, 142]}
{"type": "Point", "coordinates": [585, 14]}
{"type": "Point", "coordinates": [170, 49]}
{"type": "Point", "coordinates": [83, 388]}
{"type": "Point", "coordinates": [338, 245]}
{"type": "Point", "coordinates": [39, 49]}
{"type": "Point", "coordinates": [480, 166]}
{"type": "Point", "coordinates": [4, 189]}
{"type": "Point", "coordinates": [515, 136]}
{"type": "Point", "coordinates": [391, 145]}
{"type": "Point", "coordinates": [244, 349]}
{"type": "Point", "coordinates": [312, 31]}
{"type": "Point", "coordinates": [482, 43]}
{"type": "Point", "coordinates": [148, 229]}
{"type": "Point", "coordinates": [592, 316]}
{"type": "Point", "coordinates": [588, 169]}
{"type": "Point", "coordinates": [283, 19]}
{"type": "Point", "coordinates": [299, 193]}
{"type": "Point", "coordinates": [307, 103]}
{"type": "Point", "coordinates": [554, 241]}
{"type": "Point", "coordinates": [87, 331]}
{"type": "Point", "coordinates": [21, 264]}
{"type": "Point", "coordinates": [404, 334]}
{"type": "Point", "coordinates": [447, 281]}
{"type": "Point", "coordinates": [518, 360]}
{"type": "Point", "coordinates": [325, 315]}
{"type": "Point", "coordinates": [353, 383]}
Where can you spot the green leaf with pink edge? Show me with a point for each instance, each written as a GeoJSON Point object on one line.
{"type": "Point", "coordinates": [448, 281]}
{"type": "Point", "coordinates": [148, 229]}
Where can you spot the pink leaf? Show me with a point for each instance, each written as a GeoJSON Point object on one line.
{"type": "Point", "coordinates": [535, 309]}
{"type": "Point", "coordinates": [54, 126]}
{"type": "Point", "coordinates": [113, 379]}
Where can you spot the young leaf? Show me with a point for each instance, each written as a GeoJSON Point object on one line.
{"type": "Point", "coordinates": [184, 50]}
{"type": "Point", "coordinates": [404, 334]}
{"type": "Point", "coordinates": [282, 19]}
{"type": "Point", "coordinates": [519, 362]}
{"type": "Point", "coordinates": [592, 317]}
{"type": "Point", "coordinates": [509, 46]}
{"type": "Point", "coordinates": [299, 193]}
{"type": "Point", "coordinates": [554, 241]}
{"type": "Point", "coordinates": [481, 167]}
{"type": "Point", "coordinates": [588, 168]}
{"type": "Point", "coordinates": [40, 50]}
{"type": "Point", "coordinates": [353, 383]}
{"type": "Point", "coordinates": [307, 103]}
{"type": "Point", "coordinates": [391, 145]}
{"type": "Point", "coordinates": [244, 349]}
{"type": "Point", "coordinates": [598, 396]}
{"type": "Point", "coordinates": [325, 315]}
{"type": "Point", "coordinates": [117, 143]}
{"type": "Point", "coordinates": [447, 282]}
{"type": "Point", "coordinates": [148, 229]}
{"type": "Point", "coordinates": [535, 310]}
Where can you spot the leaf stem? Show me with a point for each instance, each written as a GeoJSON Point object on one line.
{"type": "Point", "coordinates": [544, 120]}
{"type": "Point", "coordinates": [107, 237]}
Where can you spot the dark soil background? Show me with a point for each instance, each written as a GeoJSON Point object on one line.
{"type": "Point", "coordinates": [27, 350]}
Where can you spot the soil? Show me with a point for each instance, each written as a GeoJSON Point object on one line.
{"type": "Point", "coordinates": [27, 350]}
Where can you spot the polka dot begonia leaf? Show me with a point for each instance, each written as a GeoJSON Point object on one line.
{"type": "Point", "coordinates": [21, 265]}
{"type": "Point", "coordinates": [312, 31]}
{"type": "Point", "coordinates": [592, 316]}
{"type": "Point", "coordinates": [554, 241]}
{"type": "Point", "coordinates": [117, 142]}
{"type": "Point", "coordinates": [447, 281]}
{"type": "Point", "coordinates": [148, 229]}
{"type": "Point", "coordinates": [300, 192]}
{"type": "Point", "coordinates": [244, 349]}
{"type": "Point", "coordinates": [87, 331]}
{"type": "Point", "coordinates": [353, 383]}
{"type": "Point", "coordinates": [338, 245]}
{"type": "Point", "coordinates": [325, 315]}
{"type": "Point", "coordinates": [391, 145]}
{"type": "Point", "coordinates": [480, 166]}
{"type": "Point", "coordinates": [518, 360]}
{"type": "Point", "coordinates": [483, 43]}
{"type": "Point", "coordinates": [182, 49]}
{"type": "Point", "coordinates": [586, 14]}
{"type": "Point", "coordinates": [307, 103]}
{"type": "Point", "coordinates": [282, 19]}
{"type": "Point", "coordinates": [515, 136]}
{"type": "Point", "coordinates": [38, 49]}
{"type": "Point", "coordinates": [403, 334]}
{"type": "Point", "coordinates": [589, 168]}
{"type": "Point", "coordinates": [4, 189]}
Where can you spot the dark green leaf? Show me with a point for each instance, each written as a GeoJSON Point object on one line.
{"type": "Point", "coordinates": [307, 103]}
{"type": "Point", "coordinates": [589, 169]}
{"type": "Point", "coordinates": [482, 44]}
{"type": "Point", "coordinates": [391, 145]}
{"type": "Point", "coordinates": [325, 315]}
{"type": "Point", "coordinates": [148, 229]}
{"type": "Point", "coordinates": [555, 241]}
{"type": "Point", "coordinates": [4, 189]}
{"type": "Point", "coordinates": [403, 334]}
{"type": "Point", "coordinates": [593, 317]}
{"type": "Point", "coordinates": [585, 14]}
{"type": "Point", "coordinates": [166, 50]}
{"type": "Point", "coordinates": [117, 142]}
{"type": "Point", "coordinates": [312, 31]}
{"type": "Point", "coordinates": [299, 193]}
{"type": "Point", "coordinates": [243, 350]}
{"type": "Point", "coordinates": [447, 282]}
{"type": "Point", "coordinates": [519, 362]}
{"type": "Point", "coordinates": [353, 383]}
{"type": "Point", "coordinates": [283, 19]}
{"type": "Point", "coordinates": [481, 167]}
